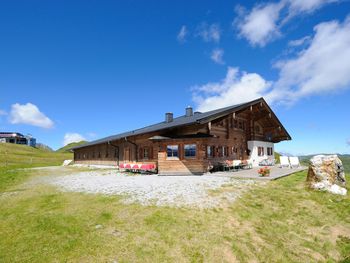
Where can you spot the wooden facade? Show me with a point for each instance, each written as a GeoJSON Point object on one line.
{"type": "Point", "coordinates": [192, 147]}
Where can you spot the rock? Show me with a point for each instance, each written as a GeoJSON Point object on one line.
{"type": "Point", "coordinates": [67, 162]}
{"type": "Point", "coordinates": [326, 173]}
{"type": "Point", "coordinates": [98, 226]}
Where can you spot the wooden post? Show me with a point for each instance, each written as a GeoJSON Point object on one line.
{"type": "Point", "coordinates": [209, 127]}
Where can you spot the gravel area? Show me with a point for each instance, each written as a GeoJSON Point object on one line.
{"type": "Point", "coordinates": [189, 191]}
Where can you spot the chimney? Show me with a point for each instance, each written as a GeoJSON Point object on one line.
{"type": "Point", "coordinates": [189, 111]}
{"type": "Point", "coordinates": [169, 117]}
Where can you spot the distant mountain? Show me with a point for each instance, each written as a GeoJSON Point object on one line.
{"type": "Point", "coordinates": [68, 147]}
{"type": "Point", "coordinates": [44, 147]}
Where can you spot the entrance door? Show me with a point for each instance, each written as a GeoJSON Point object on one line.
{"type": "Point", "coordinates": [127, 154]}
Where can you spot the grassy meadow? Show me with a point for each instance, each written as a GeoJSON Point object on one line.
{"type": "Point", "coordinates": [281, 221]}
{"type": "Point", "coordinates": [14, 156]}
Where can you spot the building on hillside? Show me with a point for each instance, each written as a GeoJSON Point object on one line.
{"type": "Point", "coordinates": [17, 138]}
{"type": "Point", "coordinates": [193, 142]}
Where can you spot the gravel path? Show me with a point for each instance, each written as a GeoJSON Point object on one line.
{"type": "Point", "coordinates": [188, 191]}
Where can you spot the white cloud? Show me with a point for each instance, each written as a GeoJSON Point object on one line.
{"type": "Point", "coordinates": [348, 142]}
{"type": "Point", "coordinates": [3, 113]}
{"type": "Point", "coordinates": [264, 22]}
{"type": "Point", "coordinates": [307, 6]}
{"type": "Point", "coordinates": [260, 25]}
{"type": "Point", "coordinates": [235, 88]}
{"type": "Point", "coordinates": [29, 114]}
{"type": "Point", "coordinates": [181, 36]}
{"type": "Point", "coordinates": [217, 56]}
{"type": "Point", "coordinates": [209, 33]}
{"type": "Point", "coordinates": [320, 68]}
{"type": "Point", "coordinates": [299, 42]}
{"type": "Point", "coordinates": [72, 137]}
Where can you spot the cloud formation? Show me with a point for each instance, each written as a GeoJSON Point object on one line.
{"type": "Point", "coordinates": [236, 87]}
{"type": "Point", "coordinates": [260, 25]}
{"type": "Point", "coordinates": [181, 36]}
{"type": "Point", "coordinates": [70, 137]}
{"type": "Point", "coordinates": [29, 114]}
{"type": "Point", "coordinates": [322, 67]}
{"type": "Point", "coordinates": [217, 56]}
{"type": "Point", "coordinates": [263, 23]}
{"type": "Point", "coordinates": [3, 113]}
{"type": "Point", "coordinates": [209, 33]}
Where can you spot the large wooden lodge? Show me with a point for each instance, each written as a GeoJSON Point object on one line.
{"type": "Point", "coordinates": [194, 142]}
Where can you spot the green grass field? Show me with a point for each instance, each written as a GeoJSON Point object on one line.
{"type": "Point", "coordinates": [280, 222]}
{"type": "Point", "coordinates": [13, 156]}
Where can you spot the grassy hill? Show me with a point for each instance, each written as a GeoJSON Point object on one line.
{"type": "Point", "coordinates": [21, 156]}
{"type": "Point", "coordinates": [69, 146]}
{"type": "Point", "coordinates": [14, 156]}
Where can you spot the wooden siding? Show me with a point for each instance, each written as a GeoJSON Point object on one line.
{"type": "Point", "coordinates": [230, 132]}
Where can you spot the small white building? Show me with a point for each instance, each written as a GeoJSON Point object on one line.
{"type": "Point", "coordinates": [259, 151]}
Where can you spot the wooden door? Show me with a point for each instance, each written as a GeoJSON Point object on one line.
{"type": "Point", "coordinates": [127, 154]}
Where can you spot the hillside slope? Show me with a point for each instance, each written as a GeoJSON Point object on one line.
{"type": "Point", "coordinates": [69, 146]}
{"type": "Point", "coordinates": [14, 155]}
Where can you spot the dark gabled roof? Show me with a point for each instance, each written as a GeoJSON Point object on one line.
{"type": "Point", "coordinates": [197, 117]}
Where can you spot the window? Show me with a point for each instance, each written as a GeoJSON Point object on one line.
{"type": "Point", "coordinates": [260, 151]}
{"type": "Point", "coordinates": [224, 151]}
{"type": "Point", "coordinates": [190, 150]}
{"type": "Point", "coordinates": [258, 129]}
{"type": "Point", "coordinates": [221, 123]}
{"type": "Point", "coordinates": [239, 124]}
{"type": "Point", "coordinates": [269, 151]}
{"type": "Point", "coordinates": [220, 151]}
{"type": "Point", "coordinates": [172, 150]}
{"type": "Point", "coordinates": [93, 155]}
{"type": "Point", "coordinates": [145, 153]}
{"type": "Point", "coordinates": [210, 151]}
{"type": "Point", "coordinates": [235, 124]}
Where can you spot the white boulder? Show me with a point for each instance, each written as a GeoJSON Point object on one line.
{"type": "Point", "coordinates": [326, 173]}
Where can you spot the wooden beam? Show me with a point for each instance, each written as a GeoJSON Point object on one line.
{"type": "Point", "coordinates": [260, 116]}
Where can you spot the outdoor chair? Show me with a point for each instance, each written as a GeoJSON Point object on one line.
{"type": "Point", "coordinates": [294, 162]}
{"type": "Point", "coordinates": [237, 164]}
{"type": "Point", "coordinates": [247, 164]}
{"type": "Point", "coordinates": [284, 161]}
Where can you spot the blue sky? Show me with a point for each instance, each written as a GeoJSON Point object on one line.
{"type": "Point", "coordinates": [96, 68]}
